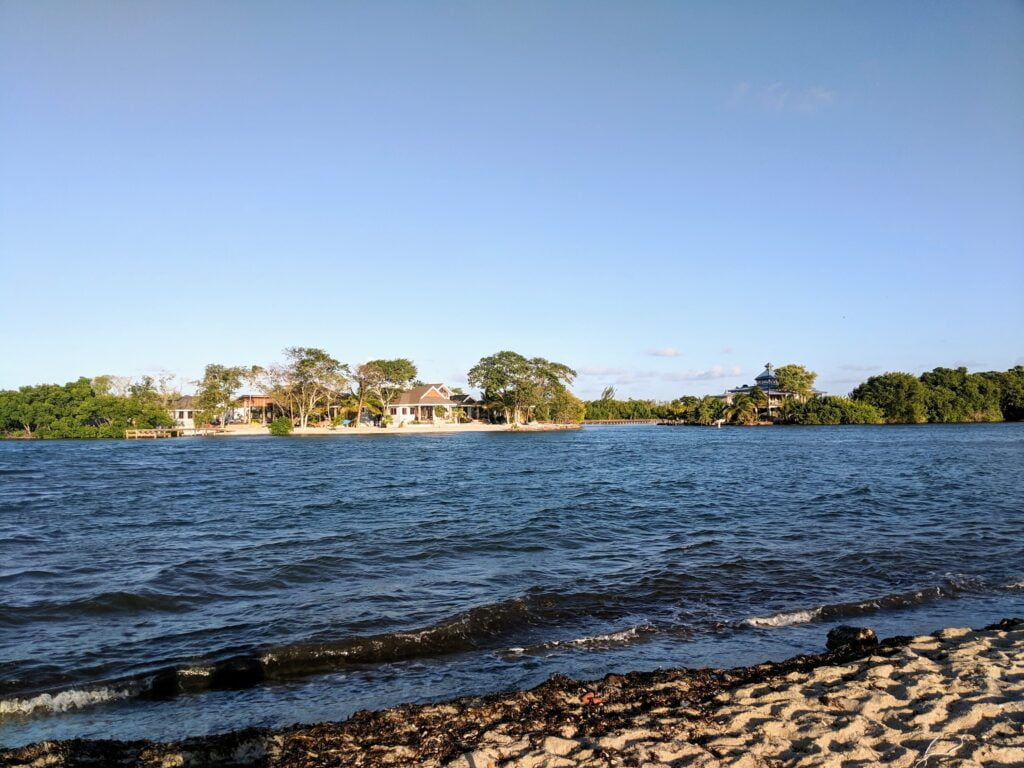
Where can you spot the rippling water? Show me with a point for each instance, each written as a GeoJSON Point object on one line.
{"type": "Point", "coordinates": [179, 587]}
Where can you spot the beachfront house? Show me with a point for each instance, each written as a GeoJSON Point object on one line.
{"type": "Point", "coordinates": [183, 411]}
{"type": "Point", "coordinates": [252, 408]}
{"type": "Point", "coordinates": [433, 403]}
{"type": "Point", "coordinates": [769, 384]}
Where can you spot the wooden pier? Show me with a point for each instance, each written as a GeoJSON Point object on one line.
{"type": "Point", "coordinates": [159, 432]}
{"type": "Point", "coordinates": [602, 422]}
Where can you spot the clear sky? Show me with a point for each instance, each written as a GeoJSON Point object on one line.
{"type": "Point", "coordinates": [664, 195]}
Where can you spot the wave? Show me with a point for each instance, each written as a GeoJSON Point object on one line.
{"type": "Point", "coordinates": [117, 602]}
{"type": "Point", "coordinates": [594, 642]}
{"type": "Point", "coordinates": [479, 628]}
{"type": "Point", "coordinates": [954, 585]}
{"type": "Point", "coordinates": [62, 701]}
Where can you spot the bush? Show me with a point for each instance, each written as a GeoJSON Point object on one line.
{"type": "Point", "coordinates": [835, 410]}
{"type": "Point", "coordinates": [281, 427]}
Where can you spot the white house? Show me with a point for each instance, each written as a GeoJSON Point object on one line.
{"type": "Point", "coordinates": [432, 403]}
{"type": "Point", "coordinates": [183, 411]}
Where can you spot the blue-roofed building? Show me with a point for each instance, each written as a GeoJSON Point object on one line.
{"type": "Point", "coordinates": [768, 382]}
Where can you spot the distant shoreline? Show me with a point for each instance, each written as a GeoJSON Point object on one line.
{"type": "Point", "coordinates": [409, 429]}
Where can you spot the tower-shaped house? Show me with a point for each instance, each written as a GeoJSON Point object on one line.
{"type": "Point", "coordinates": [768, 383]}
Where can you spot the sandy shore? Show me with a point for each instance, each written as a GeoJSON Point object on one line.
{"type": "Point", "coordinates": [235, 430]}
{"type": "Point", "coordinates": [955, 697]}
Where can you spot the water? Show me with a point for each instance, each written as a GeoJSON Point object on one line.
{"type": "Point", "coordinates": [181, 587]}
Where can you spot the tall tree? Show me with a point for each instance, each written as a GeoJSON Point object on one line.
{"type": "Point", "coordinates": [797, 379]}
{"type": "Point", "coordinates": [393, 377]}
{"type": "Point", "coordinates": [899, 396]}
{"type": "Point", "coordinates": [215, 396]}
{"type": "Point", "coordinates": [254, 377]}
{"type": "Point", "coordinates": [308, 379]}
{"type": "Point", "coordinates": [517, 384]}
{"type": "Point", "coordinates": [365, 378]}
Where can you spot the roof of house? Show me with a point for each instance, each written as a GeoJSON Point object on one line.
{"type": "Point", "coordinates": [427, 394]}
{"type": "Point", "coordinates": [182, 403]}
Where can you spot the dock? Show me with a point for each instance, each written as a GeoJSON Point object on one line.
{"type": "Point", "coordinates": [609, 422]}
{"type": "Point", "coordinates": [160, 432]}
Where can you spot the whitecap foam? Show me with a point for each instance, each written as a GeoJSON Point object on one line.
{"type": "Point", "coordinates": [784, 619]}
{"type": "Point", "coordinates": [621, 637]}
{"type": "Point", "coordinates": [61, 702]}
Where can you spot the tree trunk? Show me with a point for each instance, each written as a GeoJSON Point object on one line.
{"type": "Point", "coordinates": [359, 409]}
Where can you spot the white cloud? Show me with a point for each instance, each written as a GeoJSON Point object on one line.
{"type": "Point", "coordinates": [780, 97]}
{"type": "Point", "coordinates": [600, 371]}
{"type": "Point", "coordinates": [665, 352]}
{"type": "Point", "coordinates": [856, 367]}
{"type": "Point", "coordinates": [623, 376]}
{"type": "Point", "coordinates": [815, 99]}
{"type": "Point", "coordinates": [712, 373]}
{"type": "Point", "coordinates": [774, 96]}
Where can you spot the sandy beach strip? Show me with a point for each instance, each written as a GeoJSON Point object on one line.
{"type": "Point", "coordinates": [953, 698]}
{"type": "Point", "coordinates": [241, 430]}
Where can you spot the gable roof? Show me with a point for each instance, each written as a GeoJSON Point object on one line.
{"type": "Point", "coordinates": [427, 394]}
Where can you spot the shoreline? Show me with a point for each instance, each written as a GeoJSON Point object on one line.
{"type": "Point", "coordinates": [956, 693]}
{"type": "Point", "coordinates": [412, 429]}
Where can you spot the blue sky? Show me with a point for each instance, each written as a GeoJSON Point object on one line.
{"type": "Point", "coordinates": [664, 195]}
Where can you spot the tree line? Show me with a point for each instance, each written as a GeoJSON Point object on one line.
{"type": "Point", "coordinates": [311, 386]}
{"type": "Point", "coordinates": [942, 395]}
{"type": "Point", "coordinates": [308, 386]}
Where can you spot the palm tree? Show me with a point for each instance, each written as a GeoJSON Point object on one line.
{"type": "Point", "coordinates": [758, 398]}
{"type": "Point", "coordinates": [742, 410]}
{"type": "Point", "coordinates": [789, 409]}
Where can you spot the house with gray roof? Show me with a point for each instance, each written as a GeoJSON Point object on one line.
{"type": "Point", "coordinates": [433, 403]}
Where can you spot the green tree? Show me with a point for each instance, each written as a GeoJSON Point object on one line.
{"type": "Point", "coordinates": [608, 393]}
{"type": "Point", "coordinates": [742, 410]}
{"type": "Point", "coordinates": [519, 385]}
{"type": "Point", "coordinates": [366, 378]}
{"type": "Point", "coordinates": [758, 398]}
{"type": "Point", "coordinates": [307, 382]}
{"type": "Point", "coordinates": [1011, 392]}
{"type": "Point", "coordinates": [834, 410]}
{"type": "Point", "coordinates": [899, 396]}
{"type": "Point", "coordinates": [796, 379]}
{"type": "Point", "coordinates": [954, 395]}
{"type": "Point", "coordinates": [77, 410]}
{"type": "Point", "coordinates": [504, 378]}
{"type": "Point", "coordinates": [393, 377]}
{"type": "Point", "coordinates": [215, 394]}
{"type": "Point", "coordinates": [560, 406]}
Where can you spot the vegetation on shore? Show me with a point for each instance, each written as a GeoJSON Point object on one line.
{"type": "Point", "coordinates": [86, 408]}
{"type": "Point", "coordinates": [311, 386]}
{"type": "Point", "coordinates": [940, 396]}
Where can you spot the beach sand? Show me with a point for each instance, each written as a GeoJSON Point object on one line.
{"type": "Point", "coordinates": [953, 698]}
{"type": "Point", "coordinates": [235, 430]}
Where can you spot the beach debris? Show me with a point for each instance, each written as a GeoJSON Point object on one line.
{"type": "Point", "coordinates": [591, 698]}
{"type": "Point", "coordinates": [845, 636]}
